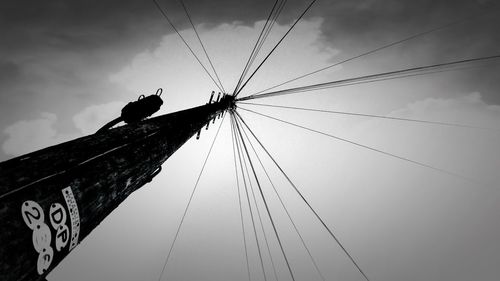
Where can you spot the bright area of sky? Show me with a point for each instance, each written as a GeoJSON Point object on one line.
{"type": "Point", "coordinates": [399, 220]}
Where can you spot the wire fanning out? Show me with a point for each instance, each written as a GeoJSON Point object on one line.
{"type": "Point", "coordinates": [306, 202]}
{"type": "Point", "coordinates": [276, 46]}
{"type": "Point", "coordinates": [233, 137]}
{"type": "Point", "coordinates": [240, 138]}
{"type": "Point", "coordinates": [421, 70]}
{"type": "Point", "coordinates": [202, 45]}
{"type": "Point", "coordinates": [265, 203]}
{"type": "Point", "coordinates": [383, 47]}
{"type": "Point", "coordinates": [371, 148]}
{"type": "Point", "coordinates": [258, 211]}
{"type": "Point", "coordinates": [266, 29]}
{"type": "Point", "coordinates": [242, 160]}
{"type": "Point", "coordinates": [284, 206]}
{"type": "Point", "coordinates": [185, 43]}
{"type": "Point", "coordinates": [368, 115]}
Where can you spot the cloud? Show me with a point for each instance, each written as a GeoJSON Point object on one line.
{"type": "Point", "coordinates": [184, 80]}
{"type": "Point", "coordinates": [30, 135]}
{"type": "Point", "coordinates": [89, 120]}
{"type": "Point", "coordinates": [8, 71]}
{"type": "Point", "coordinates": [470, 152]}
{"type": "Point", "coordinates": [61, 53]}
{"type": "Point", "coordinates": [469, 109]}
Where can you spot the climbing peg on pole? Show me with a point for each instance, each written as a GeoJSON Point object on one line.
{"type": "Point", "coordinates": [211, 97]}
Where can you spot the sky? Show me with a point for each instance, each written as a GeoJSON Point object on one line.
{"type": "Point", "coordinates": [68, 67]}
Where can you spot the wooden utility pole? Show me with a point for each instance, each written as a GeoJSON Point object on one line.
{"type": "Point", "coordinates": [53, 198]}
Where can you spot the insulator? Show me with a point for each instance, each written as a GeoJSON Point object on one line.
{"type": "Point", "coordinates": [198, 135]}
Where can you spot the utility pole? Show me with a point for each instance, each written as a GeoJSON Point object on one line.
{"type": "Point", "coordinates": [53, 198]}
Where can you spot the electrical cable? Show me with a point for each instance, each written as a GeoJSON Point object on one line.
{"type": "Point", "coordinates": [185, 43]}
{"type": "Point", "coordinates": [420, 34]}
{"type": "Point", "coordinates": [368, 115]}
{"type": "Point", "coordinates": [274, 48]}
{"type": "Point", "coordinates": [239, 199]}
{"type": "Point", "coordinates": [247, 65]}
{"type": "Point", "coordinates": [266, 34]}
{"type": "Point", "coordinates": [370, 148]}
{"type": "Point", "coordinates": [265, 203]}
{"type": "Point", "coordinates": [372, 77]}
{"type": "Point", "coordinates": [201, 43]}
{"type": "Point", "coordinates": [285, 208]}
{"type": "Point", "coordinates": [260, 218]}
{"type": "Point", "coordinates": [307, 202]}
{"type": "Point", "coordinates": [250, 206]}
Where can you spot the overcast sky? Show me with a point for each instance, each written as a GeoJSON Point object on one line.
{"type": "Point", "coordinates": [67, 67]}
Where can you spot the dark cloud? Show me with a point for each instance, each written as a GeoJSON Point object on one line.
{"type": "Point", "coordinates": [359, 25]}
{"type": "Point", "coordinates": [65, 50]}
{"type": "Point", "coordinates": [72, 23]}
{"type": "Point", "coordinates": [121, 29]}
{"type": "Point", "coordinates": [57, 55]}
{"type": "Point", "coordinates": [351, 25]}
{"type": "Point", "coordinates": [8, 71]}
{"type": "Point", "coordinates": [77, 24]}
{"type": "Point", "coordinates": [10, 75]}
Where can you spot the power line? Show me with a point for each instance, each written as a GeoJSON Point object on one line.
{"type": "Point", "coordinates": [372, 77]}
{"type": "Point", "coordinates": [268, 30]}
{"type": "Point", "coordinates": [239, 198]}
{"type": "Point", "coordinates": [249, 206]}
{"type": "Point", "coordinates": [285, 208]}
{"type": "Point", "coordinates": [189, 202]}
{"type": "Point", "coordinates": [248, 201]}
{"type": "Point", "coordinates": [201, 43]}
{"type": "Point", "coordinates": [277, 44]}
{"type": "Point", "coordinates": [265, 202]}
{"type": "Point", "coordinates": [370, 148]}
{"type": "Point", "coordinates": [247, 65]}
{"type": "Point", "coordinates": [266, 34]}
{"type": "Point", "coordinates": [260, 220]}
{"type": "Point", "coordinates": [374, 51]}
{"type": "Point", "coordinates": [307, 202]}
{"type": "Point", "coordinates": [185, 43]}
{"type": "Point", "coordinates": [367, 115]}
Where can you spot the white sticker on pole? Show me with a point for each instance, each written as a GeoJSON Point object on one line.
{"type": "Point", "coordinates": [74, 216]}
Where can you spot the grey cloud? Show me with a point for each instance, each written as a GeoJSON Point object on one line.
{"type": "Point", "coordinates": [133, 25]}
{"type": "Point", "coordinates": [57, 54]}
{"type": "Point", "coordinates": [357, 26]}
{"type": "Point", "coordinates": [106, 34]}
{"type": "Point", "coordinates": [8, 71]}
{"type": "Point", "coordinates": [101, 23]}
